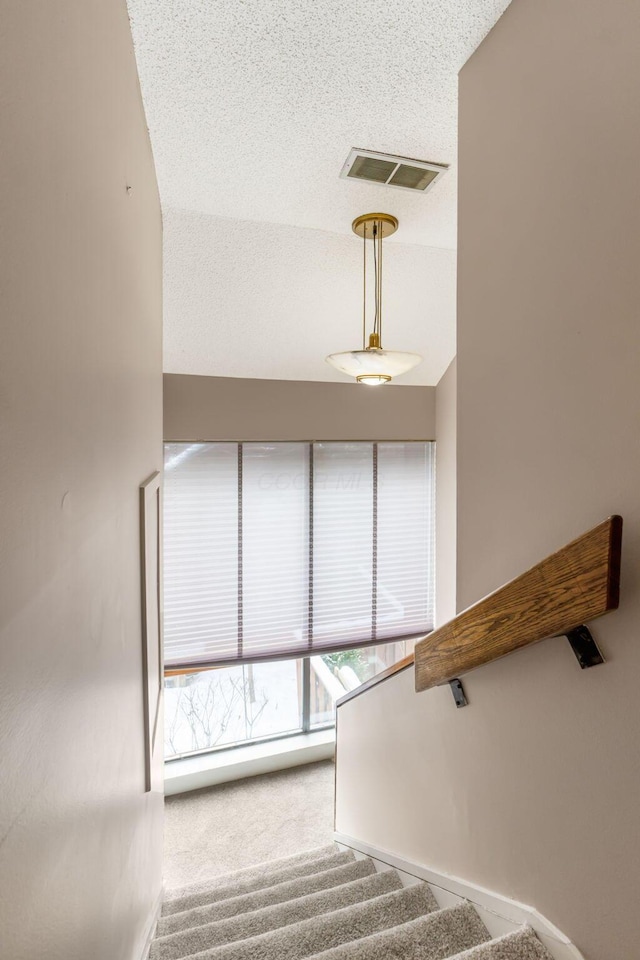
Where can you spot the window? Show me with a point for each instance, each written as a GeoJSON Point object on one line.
{"type": "Point", "coordinates": [293, 572]}
{"type": "Point", "coordinates": [230, 706]}
{"type": "Point", "coordinates": [279, 551]}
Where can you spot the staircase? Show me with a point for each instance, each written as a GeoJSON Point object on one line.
{"type": "Point", "coordinates": [325, 905]}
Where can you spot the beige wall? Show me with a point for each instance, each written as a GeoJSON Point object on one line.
{"type": "Point", "coordinates": [80, 428]}
{"type": "Point", "coordinates": [534, 789]}
{"type": "Point", "coordinates": [446, 507]}
{"type": "Point", "coordinates": [224, 408]}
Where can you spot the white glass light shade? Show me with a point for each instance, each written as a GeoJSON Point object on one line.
{"type": "Point", "coordinates": [374, 366]}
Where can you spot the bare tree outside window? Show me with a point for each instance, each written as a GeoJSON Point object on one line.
{"type": "Point", "coordinates": [214, 707]}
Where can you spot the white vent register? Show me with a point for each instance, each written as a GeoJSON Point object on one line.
{"type": "Point", "coordinates": [384, 168]}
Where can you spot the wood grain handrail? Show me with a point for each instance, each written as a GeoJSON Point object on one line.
{"type": "Point", "coordinates": [574, 585]}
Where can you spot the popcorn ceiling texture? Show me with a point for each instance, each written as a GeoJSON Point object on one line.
{"type": "Point", "coordinates": [252, 108]}
{"type": "Point", "coordinates": [271, 301]}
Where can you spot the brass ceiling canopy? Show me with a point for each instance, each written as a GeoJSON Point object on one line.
{"type": "Point", "coordinates": [363, 226]}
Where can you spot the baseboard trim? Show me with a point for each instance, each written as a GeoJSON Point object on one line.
{"type": "Point", "coordinates": [152, 923]}
{"type": "Point", "coordinates": [210, 769]}
{"type": "Point", "coordinates": [500, 914]}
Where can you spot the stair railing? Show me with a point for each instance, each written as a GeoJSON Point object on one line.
{"type": "Point", "coordinates": [556, 597]}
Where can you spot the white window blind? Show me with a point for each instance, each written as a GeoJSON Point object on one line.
{"type": "Point", "coordinates": [275, 550]}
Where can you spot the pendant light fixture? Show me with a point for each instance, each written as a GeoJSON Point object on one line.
{"type": "Point", "coordinates": [372, 364]}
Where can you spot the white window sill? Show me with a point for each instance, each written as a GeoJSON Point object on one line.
{"type": "Point", "coordinates": [209, 769]}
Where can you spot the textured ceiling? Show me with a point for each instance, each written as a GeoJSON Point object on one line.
{"type": "Point", "coordinates": [253, 107]}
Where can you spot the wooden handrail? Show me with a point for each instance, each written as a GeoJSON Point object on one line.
{"type": "Point", "coordinates": [578, 583]}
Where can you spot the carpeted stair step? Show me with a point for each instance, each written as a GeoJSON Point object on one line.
{"type": "Point", "coordinates": [266, 897]}
{"type": "Point", "coordinates": [341, 926]}
{"type": "Point", "coordinates": [254, 870]}
{"type": "Point", "coordinates": [197, 939]}
{"type": "Point", "coordinates": [437, 936]}
{"type": "Point", "coordinates": [520, 945]}
{"type": "Point", "coordinates": [232, 885]}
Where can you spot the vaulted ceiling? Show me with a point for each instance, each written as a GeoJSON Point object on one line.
{"type": "Point", "coordinates": [253, 106]}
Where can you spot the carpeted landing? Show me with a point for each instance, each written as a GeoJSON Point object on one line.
{"type": "Point", "coordinates": [325, 905]}
{"type": "Point", "coordinates": [237, 824]}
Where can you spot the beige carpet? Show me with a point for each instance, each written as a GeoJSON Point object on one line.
{"type": "Point", "coordinates": [253, 888]}
{"type": "Point", "coordinates": [220, 829]}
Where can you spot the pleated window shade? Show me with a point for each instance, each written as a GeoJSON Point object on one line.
{"type": "Point", "coordinates": [278, 550]}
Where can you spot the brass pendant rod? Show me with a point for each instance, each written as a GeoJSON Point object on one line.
{"type": "Point", "coordinates": [382, 225]}
{"type": "Point", "coordinates": [375, 242]}
{"type": "Point", "coordinates": [374, 234]}
{"type": "Point", "coordinates": [380, 284]}
{"type": "Point", "coordinates": [364, 290]}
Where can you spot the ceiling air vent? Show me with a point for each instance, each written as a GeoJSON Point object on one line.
{"type": "Point", "coordinates": [402, 172]}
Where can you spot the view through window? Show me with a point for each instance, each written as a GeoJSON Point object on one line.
{"type": "Point", "coordinates": [230, 706]}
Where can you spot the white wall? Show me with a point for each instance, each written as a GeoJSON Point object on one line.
{"type": "Point", "coordinates": [80, 429]}
{"type": "Point", "coordinates": [226, 408]}
{"type": "Point", "coordinates": [533, 790]}
{"type": "Point", "coordinates": [446, 490]}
